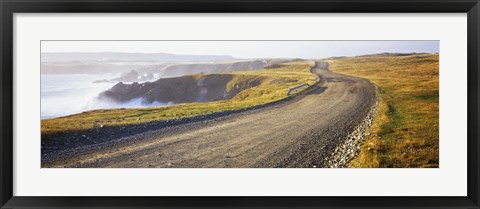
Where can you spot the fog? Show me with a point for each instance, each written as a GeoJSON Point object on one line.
{"type": "Point", "coordinates": [67, 94]}
{"type": "Point", "coordinates": [96, 103]}
{"type": "Point", "coordinates": [247, 49]}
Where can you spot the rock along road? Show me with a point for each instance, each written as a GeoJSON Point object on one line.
{"type": "Point", "coordinates": [301, 132]}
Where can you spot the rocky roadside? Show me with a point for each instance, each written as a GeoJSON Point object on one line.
{"type": "Point", "coordinates": [350, 147]}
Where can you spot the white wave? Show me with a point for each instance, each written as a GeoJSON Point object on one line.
{"type": "Point", "coordinates": [97, 103]}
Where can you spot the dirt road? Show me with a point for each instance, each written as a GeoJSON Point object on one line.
{"type": "Point", "coordinates": [298, 133]}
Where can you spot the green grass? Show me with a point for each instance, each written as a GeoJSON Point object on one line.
{"type": "Point", "coordinates": [274, 85]}
{"type": "Point", "coordinates": [405, 131]}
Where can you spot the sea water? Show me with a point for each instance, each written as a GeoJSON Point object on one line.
{"type": "Point", "coordinates": [66, 94]}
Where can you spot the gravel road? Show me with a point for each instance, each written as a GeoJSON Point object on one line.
{"type": "Point", "coordinates": [302, 132]}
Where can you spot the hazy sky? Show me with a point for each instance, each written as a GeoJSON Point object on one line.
{"type": "Point", "coordinates": [247, 49]}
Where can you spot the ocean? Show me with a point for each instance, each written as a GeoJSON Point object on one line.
{"type": "Point", "coordinates": [66, 94]}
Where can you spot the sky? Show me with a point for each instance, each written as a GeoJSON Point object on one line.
{"type": "Point", "coordinates": [247, 49]}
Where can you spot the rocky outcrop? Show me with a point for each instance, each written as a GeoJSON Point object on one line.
{"type": "Point", "coordinates": [132, 76]}
{"type": "Point", "coordinates": [186, 89]}
{"type": "Point", "coordinates": [178, 70]}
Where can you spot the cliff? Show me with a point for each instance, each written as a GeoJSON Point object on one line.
{"type": "Point", "coordinates": [185, 89]}
{"type": "Point", "coordinates": [176, 70]}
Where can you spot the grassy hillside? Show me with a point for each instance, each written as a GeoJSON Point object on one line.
{"type": "Point", "coordinates": [274, 85]}
{"type": "Point", "coordinates": [405, 131]}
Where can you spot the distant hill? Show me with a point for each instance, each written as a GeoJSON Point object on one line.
{"type": "Point", "coordinates": [387, 54]}
{"type": "Point", "coordinates": [127, 57]}
{"type": "Point", "coordinates": [175, 70]}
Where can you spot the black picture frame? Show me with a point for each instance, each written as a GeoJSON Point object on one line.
{"type": "Point", "coordinates": [9, 7]}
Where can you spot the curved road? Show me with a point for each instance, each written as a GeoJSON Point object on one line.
{"type": "Point", "coordinates": [301, 132]}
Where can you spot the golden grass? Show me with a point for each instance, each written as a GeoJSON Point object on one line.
{"type": "Point", "coordinates": [405, 131]}
{"type": "Point", "coordinates": [274, 86]}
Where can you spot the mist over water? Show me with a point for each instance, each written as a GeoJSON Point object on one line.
{"type": "Point", "coordinates": [66, 94]}
{"type": "Point", "coordinates": [96, 103]}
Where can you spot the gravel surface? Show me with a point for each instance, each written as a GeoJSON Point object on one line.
{"type": "Point", "coordinates": [350, 147]}
{"type": "Point", "coordinates": [302, 131]}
